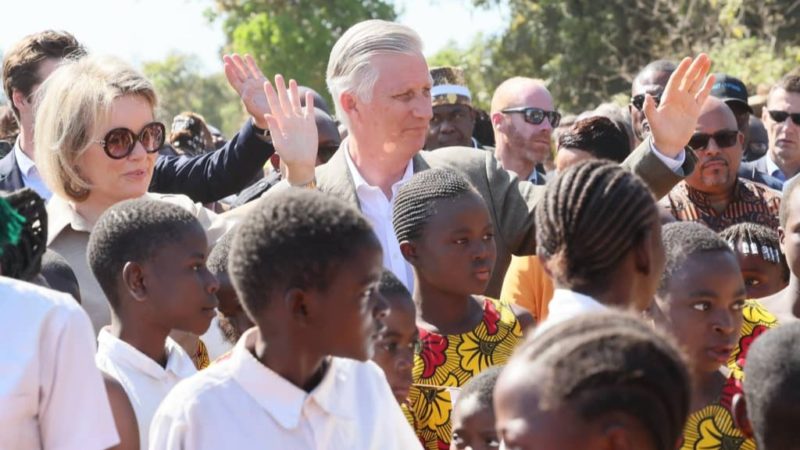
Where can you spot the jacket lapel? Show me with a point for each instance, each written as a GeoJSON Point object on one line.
{"type": "Point", "coordinates": [330, 177]}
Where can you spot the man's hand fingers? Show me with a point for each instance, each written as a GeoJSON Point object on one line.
{"type": "Point", "coordinates": [676, 79]}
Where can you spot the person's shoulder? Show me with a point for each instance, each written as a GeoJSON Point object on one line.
{"type": "Point", "coordinates": [760, 189]}
{"type": "Point", "coordinates": [32, 296]}
{"type": "Point", "coordinates": [456, 157]}
{"type": "Point", "coordinates": [198, 388]}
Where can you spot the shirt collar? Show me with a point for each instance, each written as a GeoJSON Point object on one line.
{"type": "Point", "coordinates": [25, 164]}
{"type": "Point", "coordinates": [567, 304]}
{"type": "Point", "coordinates": [178, 361]}
{"type": "Point", "coordinates": [281, 399]}
{"type": "Point", "coordinates": [774, 170]}
{"type": "Point", "coordinates": [359, 181]}
{"type": "Point", "coordinates": [60, 215]}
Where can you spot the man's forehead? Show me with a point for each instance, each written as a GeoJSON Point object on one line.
{"type": "Point", "coordinates": [716, 115]}
{"type": "Point", "coordinates": [449, 109]}
{"type": "Point", "coordinates": [782, 99]}
{"type": "Point", "coordinates": [395, 69]}
{"type": "Point", "coordinates": [650, 83]}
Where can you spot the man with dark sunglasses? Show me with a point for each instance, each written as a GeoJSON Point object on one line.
{"type": "Point", "coordinates": [781, 117]}
{"type": "Point", "coordinates": [523, 118]}
{"type": "Point", "coordinates": [204, 178]}
{"type": "Point", "coordinates": [714, 194]}
{"type": "Point", "coordinates": [652, 79]}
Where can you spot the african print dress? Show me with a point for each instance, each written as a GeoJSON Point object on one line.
{"type": "Point", "coordinates": [712, 427]}
{"type": "Point", "coordinates": [447, 362]}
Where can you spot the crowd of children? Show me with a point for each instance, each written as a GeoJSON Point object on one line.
{"type": "Point", "coordinates": [642, 335]}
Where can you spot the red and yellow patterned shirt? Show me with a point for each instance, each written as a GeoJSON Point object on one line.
{"type": "Point", "coordinates": [450, 361]}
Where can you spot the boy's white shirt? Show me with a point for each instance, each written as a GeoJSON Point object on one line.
{"type": "Point", "coordinates": [240, 403]}
{"type": "Point", "coordinates": [51, 394]}
{"type": "Point", "coordinates": [566, 305]}
{"type": "Point", "coordinates": [144, 380]}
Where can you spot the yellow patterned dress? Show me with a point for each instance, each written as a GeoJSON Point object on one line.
{"type": "Point", "coordinates": [445, 363]}
{"type": "Point", "coordinates": [712, 427]}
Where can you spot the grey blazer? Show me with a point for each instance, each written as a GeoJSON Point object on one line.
{"type": "Point", "coordinates": [511, 203]}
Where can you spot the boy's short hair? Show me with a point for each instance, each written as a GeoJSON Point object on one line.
{"type": "Point", "coordinates": [598, 136]}
{"type": "Point", "coordinates": [684, 239]}
{"type": "Point", "coordinates": [296, 238]}
{"type": "Point", "coordinates": [132, 231]}
{"type": "Point", "coordinates": [391, 285]}
{"type": "Point", "coordinates": [481, 387]}
{"type": "Point", "coordinates": [611, 362]}
{"type": "Point", "coordinates": [771, 388]}
{"type": "Point", "coordinates": [59, 274]}
{"type": "Point", "coordinates": [217, 261]}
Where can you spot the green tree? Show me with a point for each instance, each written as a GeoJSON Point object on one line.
{"type": "Point", "coordinates": [294, 37]}
{"type": "Point", "coordinates": [180, 87]}
{"type": "Point", "coordinates": [588, 50]}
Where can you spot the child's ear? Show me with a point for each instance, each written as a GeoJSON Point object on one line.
{"type": "Point", "coordinates": [409, 251]}
{"type": "Point", "coordinates": [740, 418]}
{"type": "Point", "coordinates": [298, 304]}
{"type": "Point", "coordinates": [133, 279]}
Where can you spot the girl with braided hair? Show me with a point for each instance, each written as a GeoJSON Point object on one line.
{"type": "Point", "coordinates": [598, 235]}
{"type": "Point", "coordinates": [763, 264]}
{"type": "Point", "coordinates": [446, 234]}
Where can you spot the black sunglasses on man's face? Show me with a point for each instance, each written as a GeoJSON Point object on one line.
{"type": "Point", "coordinates": [536, 116]}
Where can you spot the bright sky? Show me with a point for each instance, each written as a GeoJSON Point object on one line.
{"type": "Point", "coordinates": [146, 30]}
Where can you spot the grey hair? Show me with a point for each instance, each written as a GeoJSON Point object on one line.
{"type": "Point", "coordinates": [349, 68]}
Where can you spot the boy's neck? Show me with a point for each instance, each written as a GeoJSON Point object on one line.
{"type": "Point", "coordinates": [448, 313]}
{"type": "Point", "coordinates": [150, 340]}
{"type": "Point", "coordinates": [283, 356]}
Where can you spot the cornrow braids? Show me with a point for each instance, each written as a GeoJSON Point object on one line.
{"type": "Point", "coordinates": [595, 364]}
{"type": "Point", "coordinates": [753, 239]}
{"type": "Point", "coordinates": [21, 257]}
{"type": "Point", "coordinates": [589, 218]}
{"type": "Point", "coordinates": [415, 202]}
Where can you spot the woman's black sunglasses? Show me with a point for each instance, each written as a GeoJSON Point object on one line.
{"type": "Point", "coordinates": [120, 142]}
{"type": "Point", "coordinates": [536, 116]}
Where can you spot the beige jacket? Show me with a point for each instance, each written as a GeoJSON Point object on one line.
{"type": "Point", "coordinates": [511, 202]}
{"type": "Point", "coordinates": [68, 235]}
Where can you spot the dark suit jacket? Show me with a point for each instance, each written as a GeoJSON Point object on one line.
{"type": "Point", "coordinates": [204, 178]}
{"type": "Point", "coordinates": [757, 171]}
{"type": "Point", "coordinates": [511, 203]}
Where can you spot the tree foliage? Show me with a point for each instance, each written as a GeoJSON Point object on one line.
{"type": "Point", "coordinates": [294, 37]}
{"type": "Point", "coordinates": [181, 87]}
{"type": "Point", "coordinates": [588, 51]}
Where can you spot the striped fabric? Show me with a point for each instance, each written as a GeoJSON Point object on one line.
{"type": "Point", "coordinates": [752, 202]}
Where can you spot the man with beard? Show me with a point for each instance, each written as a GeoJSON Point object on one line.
{"type": "Point", "coordinates": [523, 117]}
{"type": "Point", "coordinates": [453, 116]}
{"type": "Point", "coordinates": [713, 194]}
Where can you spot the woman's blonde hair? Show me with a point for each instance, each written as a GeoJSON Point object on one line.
{"type": "Point", "coordinates": [71, 106]}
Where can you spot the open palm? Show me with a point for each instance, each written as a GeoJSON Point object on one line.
{"type": "Point", "coordinates": [248, 81]}
{"type": "Point", "coordinates": [673, 121]}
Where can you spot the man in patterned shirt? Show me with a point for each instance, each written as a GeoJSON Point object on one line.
{"type": "Point", "coordinates": [713, 194]}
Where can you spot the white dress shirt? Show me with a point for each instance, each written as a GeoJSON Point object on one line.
{"type": "Point", "coordinates": [241, 404]}
{"type": "Point", "coordinates": [30, 174]}
{"type": "Point", "coordinates": [378, 211]}
{"type": "Point", "coordinates": [144, 380]}
{"type": "Point", "coordinates": [566, 305]}
{"type": "Point", "coordinates": [51, 394]}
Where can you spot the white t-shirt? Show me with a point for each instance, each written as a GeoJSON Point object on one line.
{"type": "Point", "coordinates": [51, 394]}
{"type": "Point", "coordinates": [241, 404]}
{"type": "Point", "coordinates": [144, 380]}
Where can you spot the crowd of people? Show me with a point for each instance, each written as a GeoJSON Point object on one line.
{"type": "Point", "coordinates": [403, 271]}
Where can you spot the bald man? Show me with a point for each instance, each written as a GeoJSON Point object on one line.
{"type": "Point", "coordinates": [523, 118]}
{"type": "Point", "coordinates": [714, 194]}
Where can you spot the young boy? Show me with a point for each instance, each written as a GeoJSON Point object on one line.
{"type": "Point", "coordinates": [396, 344]}
{"type": "Point", "coordinates": [473, 414]}
{"type": "Point", "coordinates": [786, 303]}
{"type": "Point", "coordinates": [768, 410]}
{"type": "Point", "coordinates": [305, 266]}
{"type": "Point", "coordinates": [149, 258]}
{"type": "Point", "coordinates": [761, 261]}
{"type": "Point", "coordinates": [233, 320]}
{"type": "Point", "coordinates": [603, 381]}
{"type": "Point", "coordinates": [701, 303]}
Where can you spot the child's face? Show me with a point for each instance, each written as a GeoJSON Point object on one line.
{"type": "Point", "coordinates": [790, 234]}
{"type": "Point", "coordinates": [233, 320]}
{"type": "Point", "coordinates": [761, 278]}
{"type": "Point", "coordinates": [702, 307]}
{"type": "Point", "coordinates": [394, 348]}
{"type": "Point", "coordinates": [181, 290]}
{"type": "Point", "coordinates": [456, 251]}
{"type": "Point", "coordinates": [350, 314]}
{"type": "Point", "coordinates": [473, 426]}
